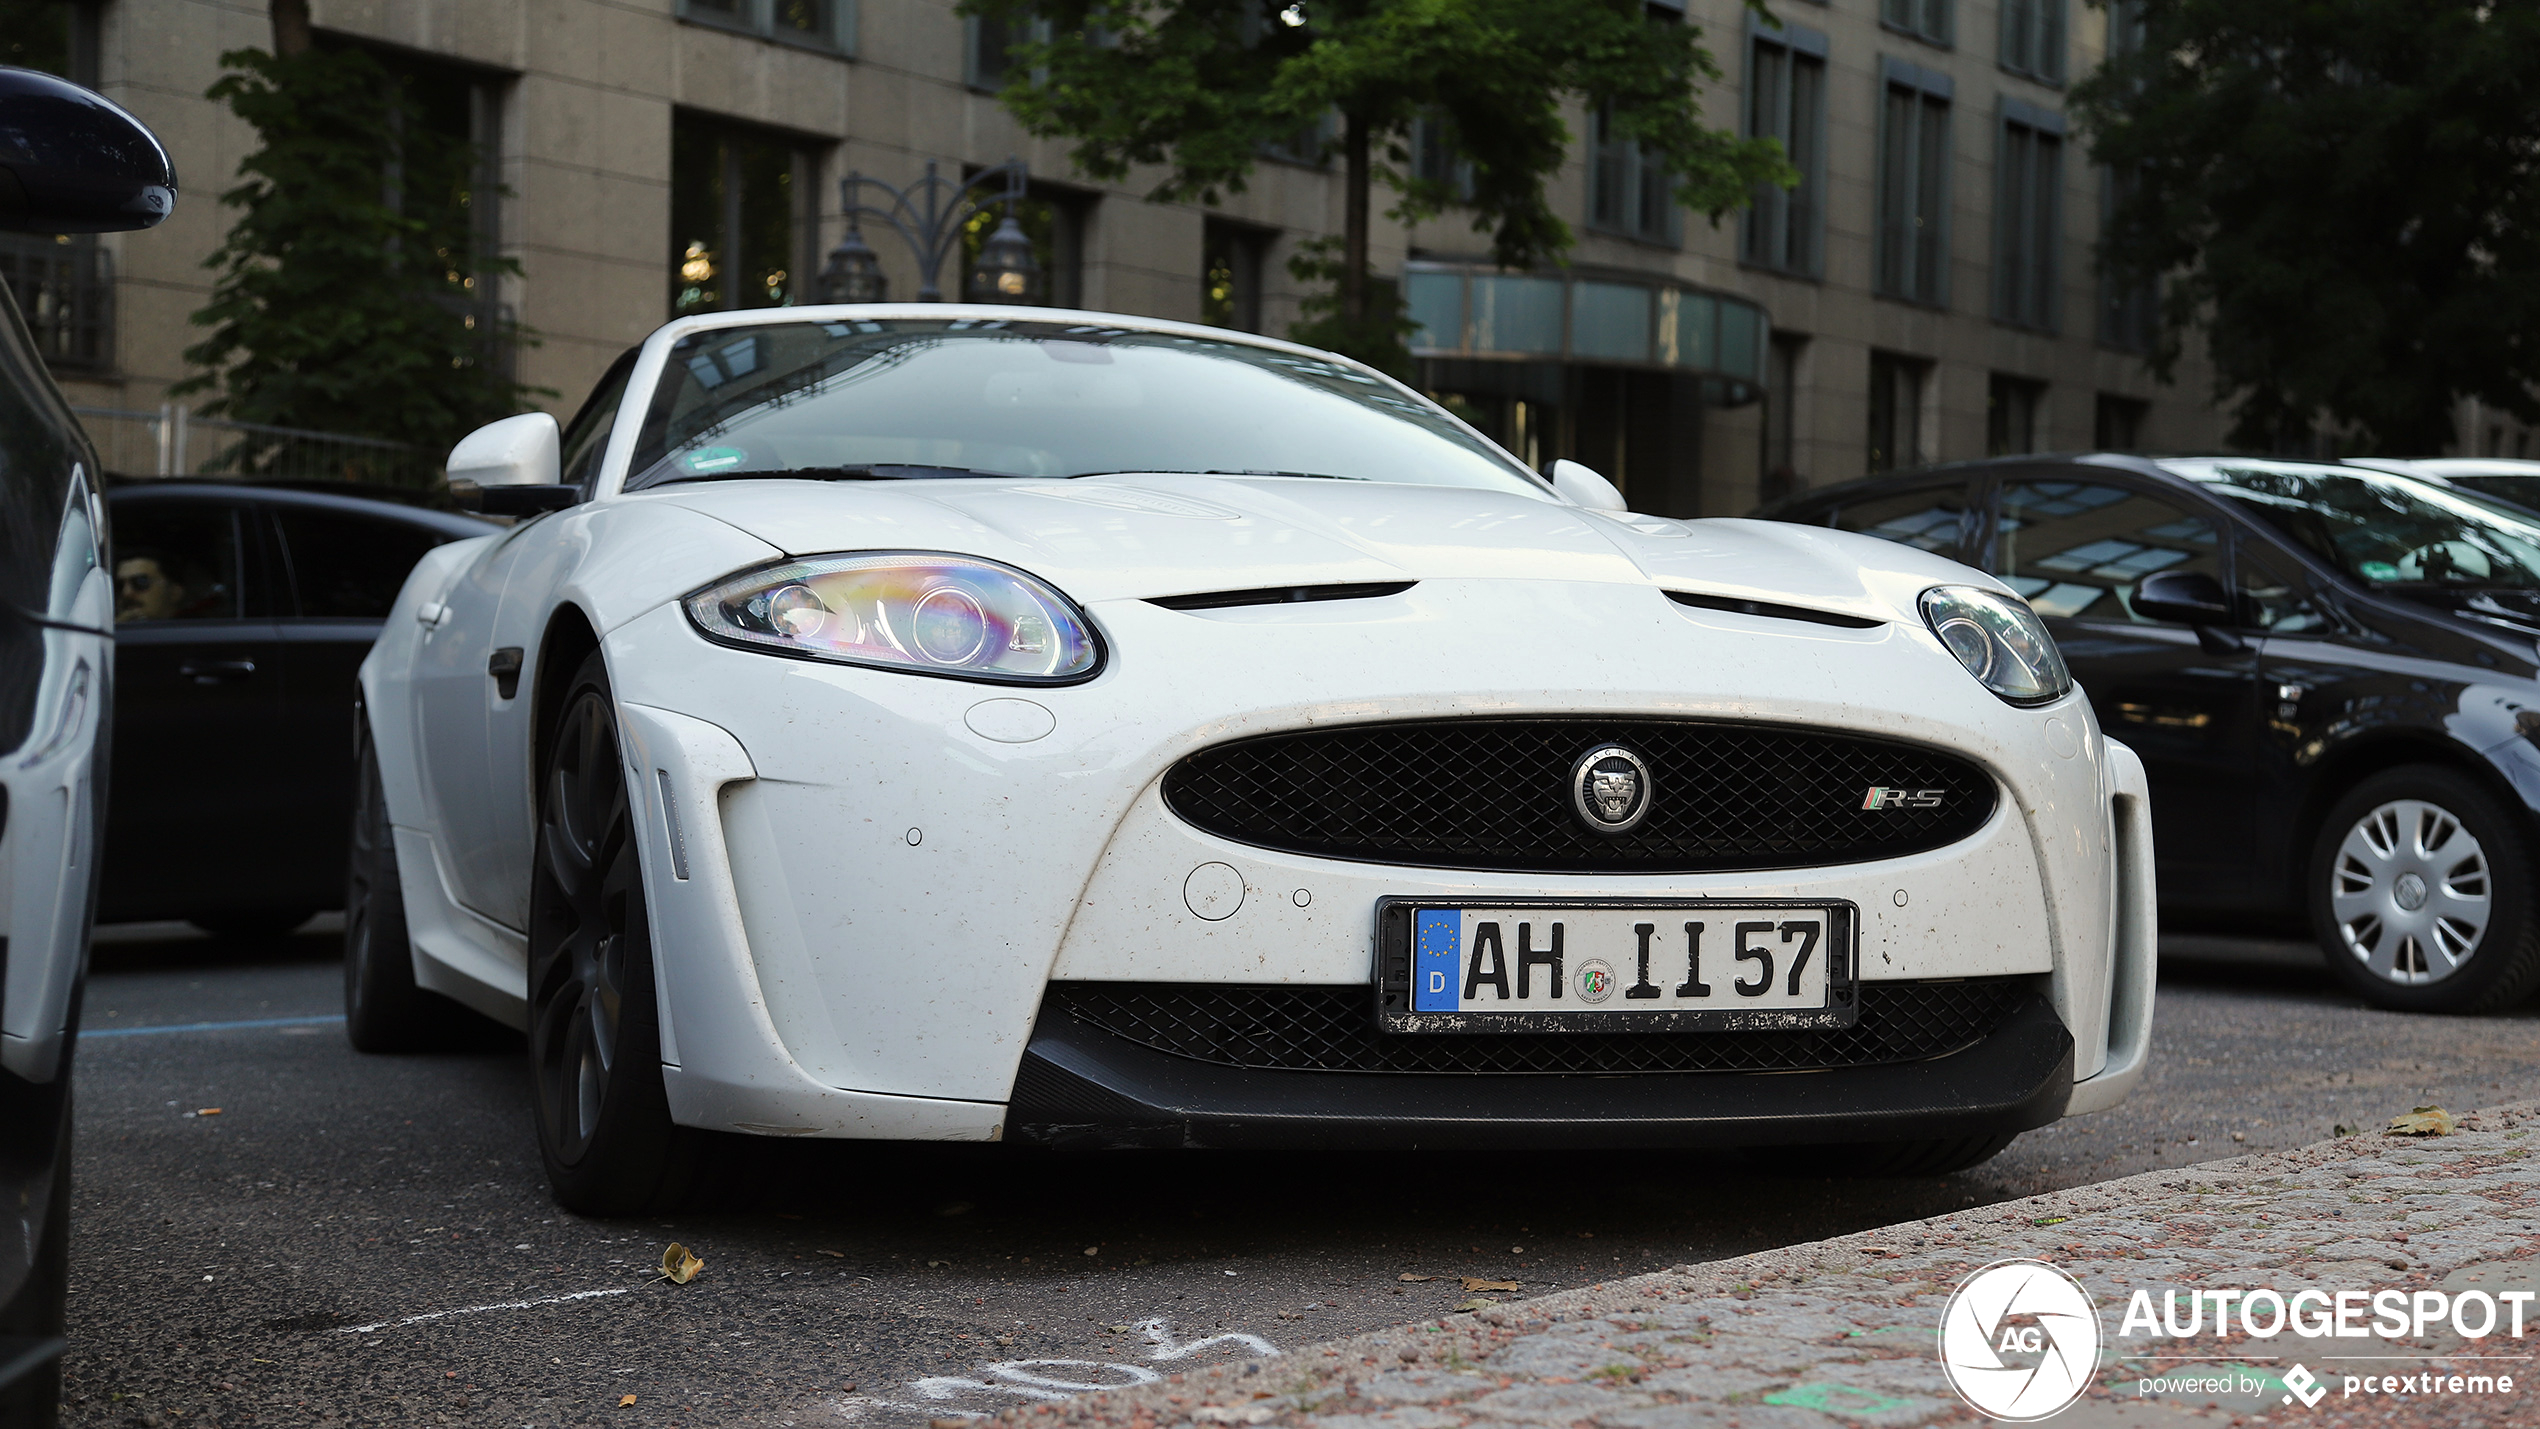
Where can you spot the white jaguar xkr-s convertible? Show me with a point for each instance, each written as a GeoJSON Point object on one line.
{"type": "Point", "coordinates": [941, 723]}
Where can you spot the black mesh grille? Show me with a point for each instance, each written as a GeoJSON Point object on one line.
{"type": "Point", "coordinates": [1493, 794]}
{"type": "Point", "coordinates": [1333, 1029]}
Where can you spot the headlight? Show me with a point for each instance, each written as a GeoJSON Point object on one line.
{"type": "Point", "coordinates": [2000, 641]}
{"type": "Point", "coordinates": [917, 611]}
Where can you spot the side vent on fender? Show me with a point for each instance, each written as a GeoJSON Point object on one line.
{"type": "Point", "coordinates": [1280, 595]}
{"type": "Point", "coordinates": [1770, 611]}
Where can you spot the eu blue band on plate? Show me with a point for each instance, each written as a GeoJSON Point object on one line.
{"type": "Point", "coordinates": [1437, 960]}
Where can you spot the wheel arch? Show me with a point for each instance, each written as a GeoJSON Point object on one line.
{"type": "Point", "coordinates": [2349, 765]}
{"type": "Point", "coordinates": [568, 640]}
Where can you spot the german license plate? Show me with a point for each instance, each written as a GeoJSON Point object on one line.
{"type": "Point", "coordinates": [1508, 966]}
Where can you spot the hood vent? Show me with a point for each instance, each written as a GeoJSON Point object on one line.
{"type": "Point", "coordinates": [1770, 611]}
{"type": "Point", "coordinates": [1281, 595]}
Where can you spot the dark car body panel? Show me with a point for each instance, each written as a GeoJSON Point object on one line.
{"type": "Point", "coordinates": [237, 793]}
{"type": "Point", "coordinates": [2249, 731]}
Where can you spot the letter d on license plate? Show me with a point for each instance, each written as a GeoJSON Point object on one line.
{"type": "Point", "coordinates": [1512, 966]}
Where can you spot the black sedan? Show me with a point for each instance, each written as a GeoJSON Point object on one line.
{"type": "Point", "coordinates": [2329, 671]}
{"type": "Point", "coordinates": [241, 613]}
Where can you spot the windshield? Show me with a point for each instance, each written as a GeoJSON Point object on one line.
{"type": "Point", "coordinates": [917, 398]}
{"type": "Point", "coordinates": [2381, 529]}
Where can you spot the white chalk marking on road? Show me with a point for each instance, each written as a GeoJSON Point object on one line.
{"type": "Point", "coordinates": [482, 1309]}
{"type": "Point", "coordinates": [1027, 1379]}
{"type": "Point", "coordinates": [1160, 1337]}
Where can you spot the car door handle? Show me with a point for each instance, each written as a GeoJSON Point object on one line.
{"type": "Point", "coordinates": [213, 672]}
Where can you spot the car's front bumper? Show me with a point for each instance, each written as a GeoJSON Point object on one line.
{"type": "Point", "coordinates": [1084, 1086]}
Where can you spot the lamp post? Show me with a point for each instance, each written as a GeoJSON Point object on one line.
{"type": "Point", "coordinates": [930, 215]}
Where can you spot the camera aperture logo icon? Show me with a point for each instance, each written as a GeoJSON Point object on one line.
{"type": "Point", "coordinates": [2019, 1340]}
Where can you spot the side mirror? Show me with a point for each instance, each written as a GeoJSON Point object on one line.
{"type": "Point", "coordinates": [72, 162]}
{"type": "Point", "coordinates": [511, 468]}
{"type": "Point", "coordinates": [2187, 597]}
{"type": "Point", "coordinates": [1585, 487]}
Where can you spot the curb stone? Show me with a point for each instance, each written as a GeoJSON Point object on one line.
{"type": "Point", "coordinates": [1842, 1333]}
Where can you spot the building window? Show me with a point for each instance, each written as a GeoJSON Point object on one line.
{"type": "Point", "coordinates": [989, 49]}
{"type": "Point", "coordinates": [737, 230]}
{"type": "Point", "coordinates": [2033, 39]}
{"type": "Point", "coordinates": [1913, 239]}
{"type": "Point", "coordinates": [1231, 263]}
{"type": "Point", "coordinates": [1054, 219]}
{"type": "Point", "coordinates": [1926, 20]}
{"type": "Point", "coordinates": [2028, 194]}
{"type": "Point", "coordinates": [818, 24]}
{"type": "Point", "coordinates": [1898, 385]}
{"type": "Point", "coordinates": [2014, 415]}
{"type": "Point", "coordinates": [1628, 190]}
{"type": "Point", "coordinates": [1436, 159]}
{"type": "Point", "coordinates": [2129, 308]}
{"type": "Point", "coordinates": [1781, 418]}
{"type": "Point", "coordinates": [2117, 424]}
{"type": "Point", "coordinates": [64, 284]}
{"type": "Point", "coordinates": [1786, 100]}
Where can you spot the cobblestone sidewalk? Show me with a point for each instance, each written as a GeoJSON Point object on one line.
{"type": "Point", "coordinates": [1843, 1333]}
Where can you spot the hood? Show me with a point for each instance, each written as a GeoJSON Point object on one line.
{"type": "Point", "coordinates": [1143, 537]}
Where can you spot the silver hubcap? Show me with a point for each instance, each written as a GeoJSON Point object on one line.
{"type": "Point", "coordinates": [2410, 892]}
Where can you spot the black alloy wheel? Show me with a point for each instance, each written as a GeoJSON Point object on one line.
{"type": "Point", "coordinates": [604, 1123]}
{"type": "Point", "coordinates": [384, 1011]}
{"type": "Point", "coordinates": [2420, 893]}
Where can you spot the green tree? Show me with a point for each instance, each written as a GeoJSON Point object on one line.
{"type": "Point", "coordinates": [1204, 86]}
{"type": "Point", "coordinates": [2342, 194]}
{"type": "Point", "coordinates": [348, 297]}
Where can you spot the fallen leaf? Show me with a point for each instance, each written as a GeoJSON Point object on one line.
{"type": "Point", "coordinates": [1408, 1278]}
{"type": "Point", "coordinates": [624, 1400]}
{"type": "Point", "coordinates": [679, 1265]}
{"type": "Point", "coordinates": [1478, 1302]}
{"type": "Point", "coordinates": [1516, 1250]}
{"type": "Point", "coordinates": [2424, 1121]}
{"type": "Point", "coordinates": [1093, 1250]}
{"type": "Point", "coordinates": [949, 1423]}
{"type": "Point", "coordinates": [938, 1262]}
{"type": "Point", "coordinates": [838, 1253]}
{"type": "Point", "coordinates": [2049, 1220]}
{"type": "Point", "coordinates": [209, 1111]}
{"type": "Point", "coordinates": [1475, 1282]}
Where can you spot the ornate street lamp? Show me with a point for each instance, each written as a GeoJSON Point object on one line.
{"type": "Point", "coordinates": [930, 216]}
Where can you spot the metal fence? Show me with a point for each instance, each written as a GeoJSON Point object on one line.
{"type": "Point", "coordinates": [172, 441]}
{"type": "Point", "coordinates": [65, 287]}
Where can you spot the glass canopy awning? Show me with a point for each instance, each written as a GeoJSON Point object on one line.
{"type": "Point", "coordinates": [1476, 311]}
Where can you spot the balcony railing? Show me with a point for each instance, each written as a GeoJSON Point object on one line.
{"type": "Point", "coordinates": [66, 290]}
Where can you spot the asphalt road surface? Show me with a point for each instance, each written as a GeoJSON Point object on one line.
{"type": "Point", "coordinates": [271, 1229]}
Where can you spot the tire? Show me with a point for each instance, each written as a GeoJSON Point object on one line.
{"type": "Point", "coordinates": [1934, 1156]}
{"type": "Point", "coordinates": [2430, 836]}
{"type": "Point", "coordinates": [384, 1011]}
{"type": "Point", "coordinates": [604, 1127]}
{"type": "Point", "coordinates": [39, 1310]}
{"type": "Point", "coordinates": [251, 922]}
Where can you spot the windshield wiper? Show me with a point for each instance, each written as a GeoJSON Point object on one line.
{"type": "Point", "coordinates": [876, 471]}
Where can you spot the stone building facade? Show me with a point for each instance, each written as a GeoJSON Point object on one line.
{"type": "Point", "coordinates": [1927, 294]}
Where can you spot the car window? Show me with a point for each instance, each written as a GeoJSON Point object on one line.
{"type": "Point", "coordinates": [2382, 529]}
{"type": "Point", "coordinates": [2272, 600]}
{"type": "Point", "coordinates": [349, 566]}
{"type": "Point", "coordinates": [586, 437]}
{"type": "Point", "coordinates": [176, 560]}
{"type": "Point", "coordinates": [2522, 491]}
{"type": "Point", "coordinates": [1931, 518]}
{"type": "Point", "coordinates": [2076, 549]}
{"type": "Point", "coordinates": [917, 398]}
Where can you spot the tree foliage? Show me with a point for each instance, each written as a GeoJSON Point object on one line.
{"type": "Point", "coordinates": [1203, 87]}
{"type": "Point", "coordinates": [347, 300]}
{"type": "Point", "coordinates": [2342, 194]}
